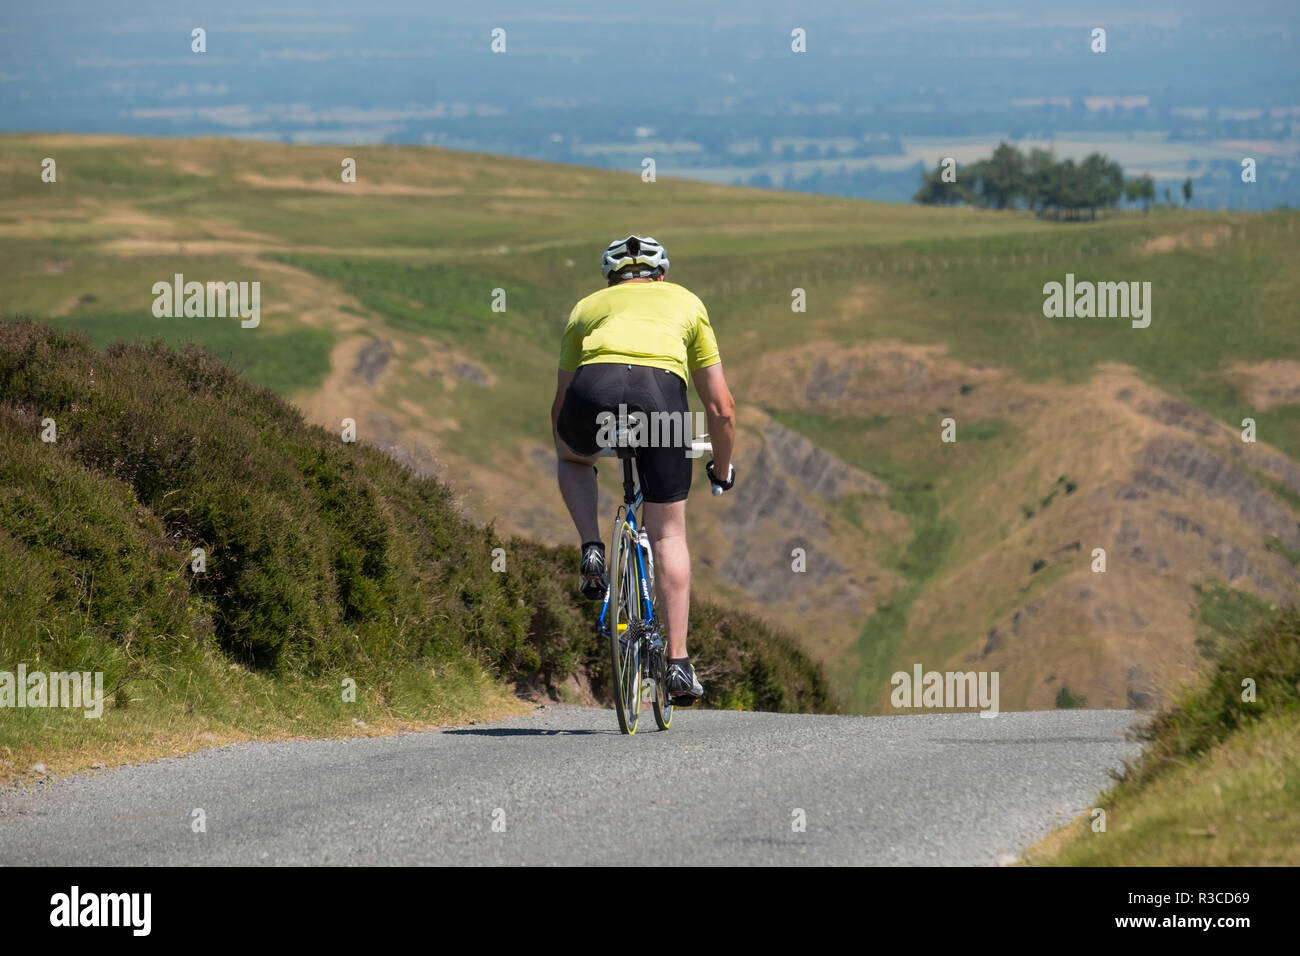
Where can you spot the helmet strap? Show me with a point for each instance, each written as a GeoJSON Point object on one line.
{"type": "Point", "coordinates": [656, 272]}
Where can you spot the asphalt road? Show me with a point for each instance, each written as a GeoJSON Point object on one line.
{"type": "Point", "coordinates": [562, 786]}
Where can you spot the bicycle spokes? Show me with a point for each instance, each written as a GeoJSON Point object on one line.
{"type": "Point", "coordinates": [624, 625]}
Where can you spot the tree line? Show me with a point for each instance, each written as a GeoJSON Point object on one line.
{"type": "Point", "coordinates": [1061, 189]}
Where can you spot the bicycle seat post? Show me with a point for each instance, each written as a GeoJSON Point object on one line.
{"type": "Point", "coordinates": [626, 450]}
{"type": "Point", "coordinates": [629, 486]}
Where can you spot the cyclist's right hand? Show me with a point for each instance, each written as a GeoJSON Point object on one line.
{"type": "Point", "coordinates": [720, 486]}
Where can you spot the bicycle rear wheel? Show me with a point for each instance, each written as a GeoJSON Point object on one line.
{"type": "Point", "coordinates": [623, 620]}
{"type": "Point", "coordinates": [657, 666]}
{"type": "Point", "coordinates": [663, 704]}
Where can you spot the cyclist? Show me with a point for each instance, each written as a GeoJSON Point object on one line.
{"type": "Point", "coordinates": [633, 344]}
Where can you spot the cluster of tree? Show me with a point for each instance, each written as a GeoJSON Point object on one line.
{"type": "Point", "coordinates": [1062, 189]}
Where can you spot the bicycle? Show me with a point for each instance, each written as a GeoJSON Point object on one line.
{"type": "Point", "coordinates": [636, 641]}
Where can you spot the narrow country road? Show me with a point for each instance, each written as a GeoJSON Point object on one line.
{"type": "Point", "coordinates": [562, 786]}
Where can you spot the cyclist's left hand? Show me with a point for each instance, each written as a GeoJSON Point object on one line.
{"type": "Point", "coordinates": [720, 486]}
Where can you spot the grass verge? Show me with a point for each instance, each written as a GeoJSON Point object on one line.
{"type": "Point", "coordinates": [1218, 783]}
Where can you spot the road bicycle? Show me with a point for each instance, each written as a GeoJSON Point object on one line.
{"type": "Point", "coordinates": [629, 617]}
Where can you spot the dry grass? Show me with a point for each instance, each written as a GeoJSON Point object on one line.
{"type": "Point", "coordinates": [69, 743]}
{"type": "Point", "coordinates": [1239, 805]}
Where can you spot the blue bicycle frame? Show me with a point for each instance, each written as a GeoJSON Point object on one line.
{"type": "Point", "coordinates": [632, 499]}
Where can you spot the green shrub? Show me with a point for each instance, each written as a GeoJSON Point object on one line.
{"type": "Point", "coordinates": [1068, 701]}
{"type": "Point", "coordinates": [1268, 657]}
{"type": "Point", "coordinates": [322, 557]}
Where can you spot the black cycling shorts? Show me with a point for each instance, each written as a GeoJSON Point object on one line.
{"type": "Point", "coordinates": [664, 470]}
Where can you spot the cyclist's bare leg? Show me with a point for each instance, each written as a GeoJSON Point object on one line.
{"type": "Point", "coordinates": [666, 525]}
{"type": "Point", "coordinates": [577, 480]}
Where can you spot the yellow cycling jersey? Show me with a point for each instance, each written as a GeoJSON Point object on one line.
{"type": "Point", "coordinates": [659, 324]}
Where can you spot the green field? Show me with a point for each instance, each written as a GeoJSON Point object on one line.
{"type": "Point", "coordinates": [940, 309]}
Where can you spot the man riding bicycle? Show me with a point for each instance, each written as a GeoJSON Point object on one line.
{"type": "Point", "coordinates": [632, 344]}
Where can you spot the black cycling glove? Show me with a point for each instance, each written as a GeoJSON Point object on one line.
{"type": "Point", "coordinates": [724, 485]}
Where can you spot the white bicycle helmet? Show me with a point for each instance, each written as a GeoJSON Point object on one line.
{"type": "Point", "coordinates": [640, 251]}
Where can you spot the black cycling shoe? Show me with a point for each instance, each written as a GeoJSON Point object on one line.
{"type": "Point", "coordinates": [684, 687]}
{"type": "Point", "coordinates": [592, 578]}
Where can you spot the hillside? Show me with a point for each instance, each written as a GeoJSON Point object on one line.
{"type": "Point", "coordinates": [230, 570]}
{"type": "Point", "coordinates": [1072, 434]}
{"type": "Point", "coordinates": [1217, 783]}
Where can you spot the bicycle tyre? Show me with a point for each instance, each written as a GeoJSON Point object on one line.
{"type": "Point", "coordinates": [621, 618]}
{"type": "Point", "coordinates": [663, 704]}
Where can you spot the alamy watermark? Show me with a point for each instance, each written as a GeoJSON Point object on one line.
{"type": "Point", "coordinates": [638, 429]}
{"type": "Point", "coordinates": [1098, 300]}
{"type": "Point", "coordinates": [208, 300]}
{"type": "Point", "coordinates": [80, 690]}
{"type": "Point", "coordinates": [949, 690]}
{"type": "Point", "coordinates": [75, 908]}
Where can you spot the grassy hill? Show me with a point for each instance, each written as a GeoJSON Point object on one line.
{"type": "Point", "coordinates": [1218, 783]}
{"type": "Point", "coordinates": [1072, 434]}
{"type": "Point", "coordinates": [323, 563]}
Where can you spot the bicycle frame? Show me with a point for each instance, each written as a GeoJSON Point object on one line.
{"type": "Point", "coordinates": [632, 500]}
{"type": "Point", "coordinates": [641, 651]}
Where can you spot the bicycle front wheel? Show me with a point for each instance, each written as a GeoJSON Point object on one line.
{"type": "Point", "coordinates": [623, 619]}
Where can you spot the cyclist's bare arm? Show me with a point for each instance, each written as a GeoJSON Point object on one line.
{"type": "Point", "coordinates": [720, 408]}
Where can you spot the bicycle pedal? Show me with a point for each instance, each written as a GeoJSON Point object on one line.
{"type": "Point", "coordinates": [685, 701]}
